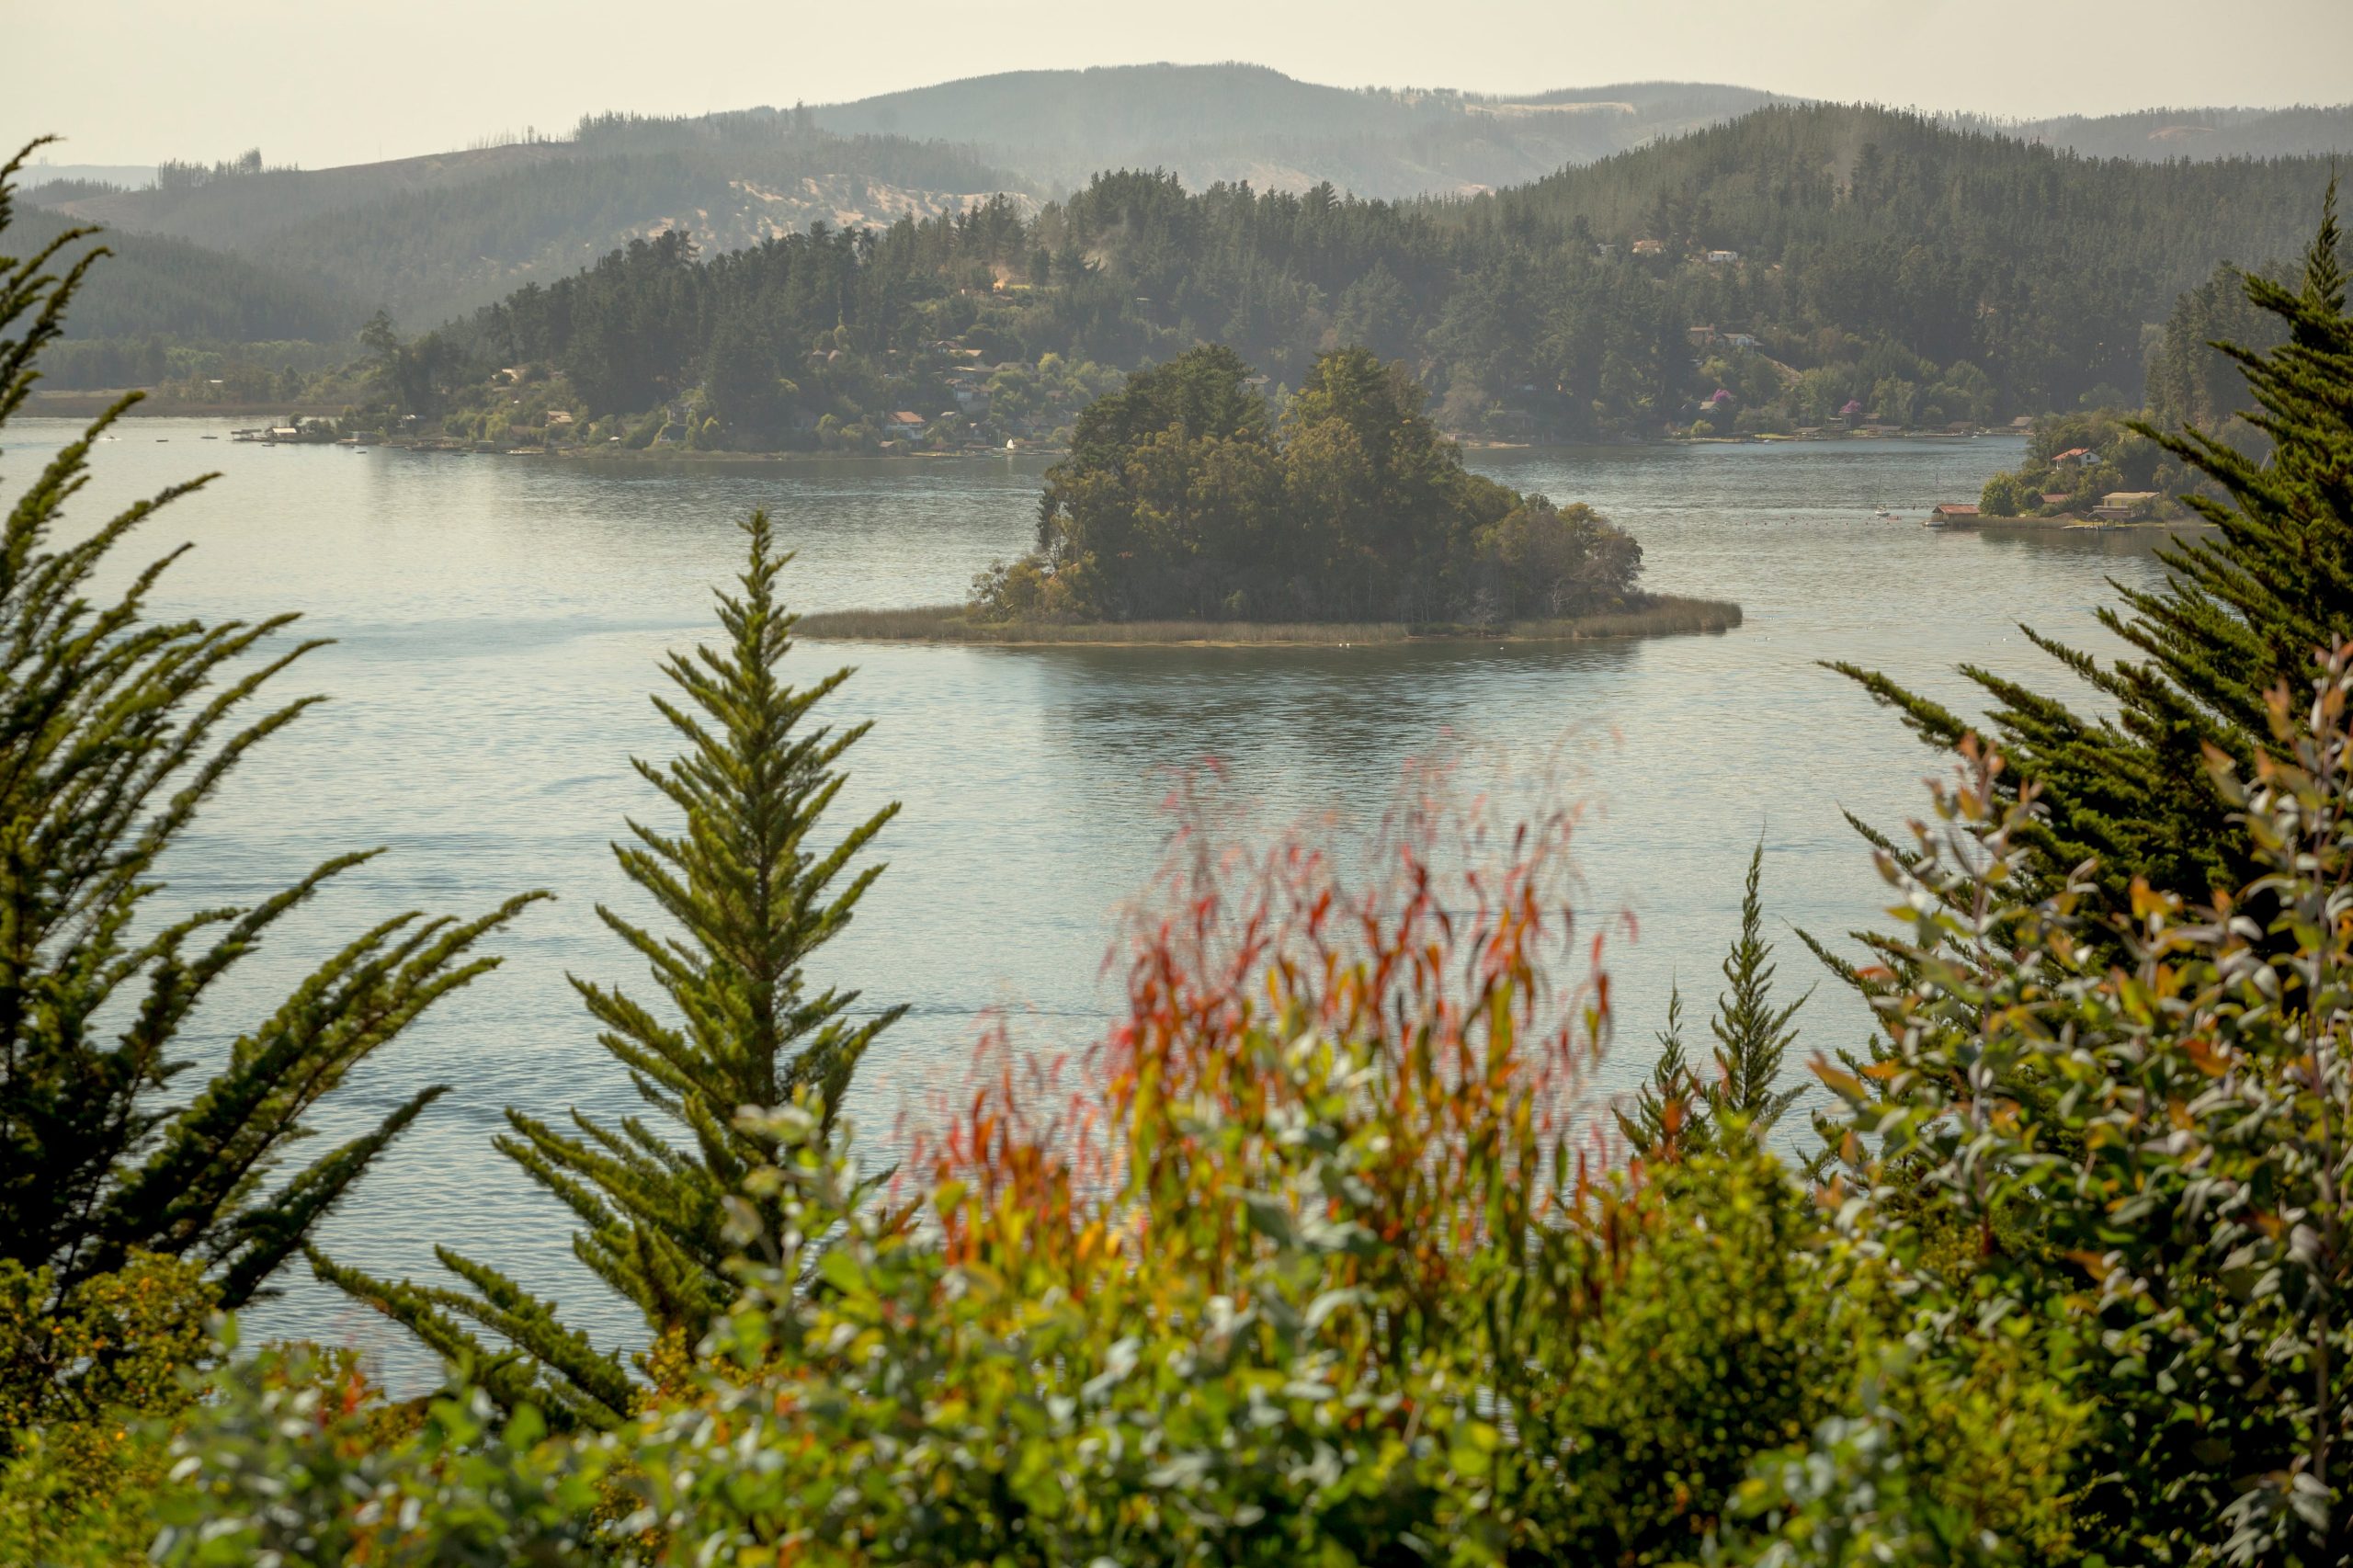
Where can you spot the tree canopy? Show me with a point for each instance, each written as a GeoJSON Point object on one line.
{"type": "Point", "coordinates": [1184, 498]}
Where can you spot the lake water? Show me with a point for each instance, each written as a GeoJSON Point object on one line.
{"type": "Point", "coordinates": [497, 623]}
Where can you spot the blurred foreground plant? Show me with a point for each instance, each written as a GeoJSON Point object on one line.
{"type": "Point", "coordinates": [2145, 1160]}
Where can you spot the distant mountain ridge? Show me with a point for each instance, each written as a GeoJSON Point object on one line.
{"type": "Point", "coordinates": [432, 237]}
{"type": "Point", "coordinates": [2157, 134]}
{"type": "Point", "coordinates": [429, 237]}
{"type": "Point", "coordinates": [1238, 122]}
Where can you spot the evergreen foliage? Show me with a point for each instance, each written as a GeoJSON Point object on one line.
{"type": "Point", "coordinates": [2240, 613]}
{"type": "Point", "coordinates": [115, 729]}
{"type": "Point", "coordinates": [158, 287]}
{"type": "Point", "coordinates": [1183, 499]}
{"type": "Point", "coordinates": [1664, 1116]}
{"type": "Point", "coordinates": [2170, 1228]}
{"type": "Point", "coordinates": [753, 895]}
{"type": "Point", "coordinates": [1752, 1035]}
{"type": "Point", "coordinates": [1677, 1113]}
{"type": "Point", "coordinates": [1797, 260]}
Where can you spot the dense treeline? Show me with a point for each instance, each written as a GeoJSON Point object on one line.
{"type": "Point", "coordinates": [1797, 267]}
{"type": "Point", "coordinates": [169, 289]}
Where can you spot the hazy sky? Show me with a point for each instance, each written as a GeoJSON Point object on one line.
{"type": "Point", "coordinates": [130, 81]}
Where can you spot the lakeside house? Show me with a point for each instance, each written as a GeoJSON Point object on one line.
{"type": "Point", "coordinates": [906, 421]}
{"type": "Point", "coordinates": [2055, 497]}
{"type": "Point", "coordinates": [2122, 506]}
{"type": "Point", "coordinates": [1950, 514]}
{"type": "Point", "coordinates": [2076, 457]}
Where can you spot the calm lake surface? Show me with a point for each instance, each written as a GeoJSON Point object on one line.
{"type": "Point", "coordinates": [497, 623]}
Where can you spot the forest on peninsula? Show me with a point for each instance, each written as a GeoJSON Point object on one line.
{"type": "Point", "coordinates": [1803, 267]}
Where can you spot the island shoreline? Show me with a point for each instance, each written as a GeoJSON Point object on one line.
{"type": "Point", "coordinates": [1668, 615]}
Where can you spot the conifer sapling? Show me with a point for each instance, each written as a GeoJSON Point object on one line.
{"type": "Point", "coordinates": [753, 893]}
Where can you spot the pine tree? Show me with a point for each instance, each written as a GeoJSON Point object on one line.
{"type": "Point", "coordinates": [1667, 1110]}
{"type": "Point", "coordinates": [115, 730]}
{"type": "Point", "coordinates": [2239, 613]}
{"type": "Point", "coordinates": [1675, 1112]}
{"type": "Point", "coordinates": [753, 896]}
{"type": "Point", "coordinates": [1752, 1035]}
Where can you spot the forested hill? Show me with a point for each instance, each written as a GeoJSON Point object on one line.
{"type": "Point", "coordinates": [2043, 268]}
{"type": "Point", "coordinates": [155, 285]}
{"type": "Point", "coordinates": [1800, 265]}
{"type": "Point", "coordinates": [1236, 122]}
{"type": "Point", "coordinates": [2301, 131]}
{"type": "Point", "coordinates": [426, 238]}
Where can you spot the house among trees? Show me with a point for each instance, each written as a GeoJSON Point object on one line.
{"type": "Point", "coordinates": [2080, 457]}
{"type": "Point", "coordinates": [1723, 255]}
{"type": "Point", "coordinates": [1650, 247]}
{"type": "Point", "coordinates": [1951, 514]}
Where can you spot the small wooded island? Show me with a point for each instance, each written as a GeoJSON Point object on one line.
{"type": "Point", "coordinates": [1187, 512]}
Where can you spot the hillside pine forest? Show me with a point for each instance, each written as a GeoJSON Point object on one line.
{"type": "Point", "coordinates": [1795, 268]}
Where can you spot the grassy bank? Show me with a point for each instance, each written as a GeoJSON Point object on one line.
{"type": "Point", "coordinates": [1665, 616]}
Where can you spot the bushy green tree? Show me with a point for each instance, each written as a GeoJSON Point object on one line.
{"type": "Point", "coordinates": [755, 893]}
{"type": "Point", "coordinates": [1182, 497]}
{"type": "Point", "coordinates": [2172, 1226]}
{"type": "Point", "coordinates": [116, 730]}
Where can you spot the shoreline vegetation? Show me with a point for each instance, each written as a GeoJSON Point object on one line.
{"type": "Point", "coordinates": [1667, 615]}
{"type": "Point", "coordinates": [158, 403]}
